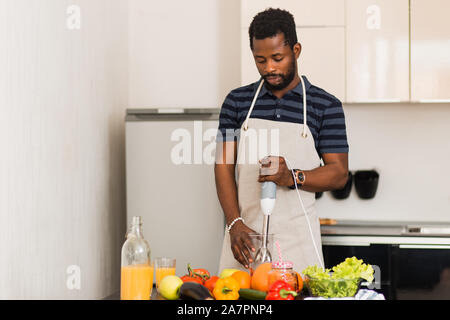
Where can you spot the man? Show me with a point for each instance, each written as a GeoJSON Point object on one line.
{"type": "Point", "coordinates": [311, 126]}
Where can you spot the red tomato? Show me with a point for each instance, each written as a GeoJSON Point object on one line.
{"type": "Point", "coordinates": [191, 279]}
{"type": "Point", "coordinates": [198, 273]}
{"type": "Point", "coordinates": [211, 283]}
{"type": "Point", "coordinates": [202, 274]}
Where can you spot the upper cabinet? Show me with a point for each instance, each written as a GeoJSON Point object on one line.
{"type": "Point", "coordinates": [305, 12]}
{"type": "Point", "coordinates": [377, 66]}
{"type": "Point", "coordinates": [366, 50]}
{"type": "Point", "coordinates": [323, 62]}
{"type": "Point", "coordinates": [430, 51]}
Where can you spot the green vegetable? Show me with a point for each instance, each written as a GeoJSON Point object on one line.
{"type": "Point", "coordinates": [352, 268]}
{"type": "Point", "coordinates": [340, 281]}
{"type": "Point", "coordinates": [250, 294]}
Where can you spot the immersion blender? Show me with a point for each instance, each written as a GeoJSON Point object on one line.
{"type": "Point", "coordinates": [268, 196]}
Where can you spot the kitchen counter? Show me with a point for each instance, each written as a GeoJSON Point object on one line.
{"type": "Point", "coordinates": [155, 295]}
{"type": "Point", "coordinates": [352, 232]}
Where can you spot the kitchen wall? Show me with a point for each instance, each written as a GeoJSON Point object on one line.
{"type": "Point", "coordinates": [408, 144]}
{"type": "Point", "coordinates": [64, 90]}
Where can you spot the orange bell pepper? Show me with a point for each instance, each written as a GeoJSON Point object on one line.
{"type": "Point", "coordinates": [226, 289]}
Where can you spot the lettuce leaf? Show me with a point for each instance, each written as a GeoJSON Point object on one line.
{"type": "Point", "coordinates": [341, 281]}
{"type": "Point", "coordinates": [353, 268]}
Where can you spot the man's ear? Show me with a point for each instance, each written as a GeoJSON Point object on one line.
{"type": "Point", "coordinates": [297, 50]}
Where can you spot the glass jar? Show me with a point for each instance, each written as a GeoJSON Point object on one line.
{"type": "Point", "coordinates": [136, 281]}
{"type": "Point", "coordinates": [283, 270]}
{"type": "Point", "coordinates": [257, 240]}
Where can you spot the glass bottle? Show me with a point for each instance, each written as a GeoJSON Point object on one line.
{"type": "Point", "coordinates": [283, 270]}
{"type": "Point", "coordinates": [136, 281]}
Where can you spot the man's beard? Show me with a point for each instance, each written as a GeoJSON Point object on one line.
{"type": "Point", "coordinates": [286, 79]}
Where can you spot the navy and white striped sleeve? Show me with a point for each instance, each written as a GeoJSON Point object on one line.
{"type": "Point", "coordinates": [228, 122]}
{"type": "Point", "coordinates": [333, 134]}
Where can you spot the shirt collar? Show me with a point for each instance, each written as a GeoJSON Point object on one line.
{"type": "Point", "coordinates": [298, 89]}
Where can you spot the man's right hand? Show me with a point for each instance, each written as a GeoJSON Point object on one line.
{"type": "Point", "coordinates": [241, 243]}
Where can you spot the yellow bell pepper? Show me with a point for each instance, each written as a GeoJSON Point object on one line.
{"type": "Point", "coordinates": [226, 289]}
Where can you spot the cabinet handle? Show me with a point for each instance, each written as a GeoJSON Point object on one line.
{"type": "Point", "coordinates": [434, 100]}
{"type": "Point", "coordinates": [424, 246]}
{"type": "Point", "coordinates": [347, 244]}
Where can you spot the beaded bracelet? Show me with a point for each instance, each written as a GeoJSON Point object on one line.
{"type": "Point", "coordinates": [233, 222]}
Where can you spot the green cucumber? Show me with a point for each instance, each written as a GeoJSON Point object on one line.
{"type": "Point", "coordinates": [251, 294]}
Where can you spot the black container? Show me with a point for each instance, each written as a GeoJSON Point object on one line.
{"type": "Point", "coordinates": [345, 191]}
{"type": "Point", "coordinates": [366, 183]}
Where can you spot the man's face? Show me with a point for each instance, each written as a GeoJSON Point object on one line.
{"type": "Point", "coordinates": [276, 61]}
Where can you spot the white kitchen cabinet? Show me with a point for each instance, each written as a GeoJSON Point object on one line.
{"type": "Point", "coordinates": [377, 33]}
{"type": "Point", "coordinates": [249, 73]}
{"type": "Point", "coordinates": [305, 12]}
{"type": "Point", "coordinates": [322, 59]}
{"type": "Point", "coordinates": [430, 51]}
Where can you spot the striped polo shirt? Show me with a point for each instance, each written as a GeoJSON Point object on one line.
{"type": "Point", "coordinates": [325, 115]}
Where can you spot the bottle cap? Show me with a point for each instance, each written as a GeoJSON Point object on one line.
{"type": "Point", "coordinates": [137, 220]}
{"type": "Point", "coordinates": [282, 264]}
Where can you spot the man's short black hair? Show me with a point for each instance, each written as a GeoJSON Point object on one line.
{"type": "Point", "coordinates": [271, 22]}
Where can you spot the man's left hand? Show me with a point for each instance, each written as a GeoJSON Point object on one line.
{"type": "Point", "coordinates": [274, 168]}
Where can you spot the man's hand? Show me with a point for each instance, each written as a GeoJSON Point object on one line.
{"type": "Point", "coordinates": [274, 169]}
{"type": "Point", "coordinates": [241, 244]}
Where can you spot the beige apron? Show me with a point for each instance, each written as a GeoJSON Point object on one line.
{"type": "Point", "coordinates": [288, 222]}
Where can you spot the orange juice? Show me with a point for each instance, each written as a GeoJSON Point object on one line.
{"type": "Point", "coordinates": [162, 272]}
{"type": "Point", "coordinates": [136, 282]}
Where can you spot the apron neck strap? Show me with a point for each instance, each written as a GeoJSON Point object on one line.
{"type": "Point", "coordinates": [253, 104]}
{"type": "Point", "coordinates": [304, 107]}
{"type": "Point", "coordinates": [256, 97]}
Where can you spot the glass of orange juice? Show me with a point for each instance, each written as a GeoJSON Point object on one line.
{"type": "Point", "coordinates": [164, 267]}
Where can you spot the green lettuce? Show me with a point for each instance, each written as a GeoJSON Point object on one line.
{"type": "Point", "coordinates": [340, 281]}
{"type": "Point", "coordinates": [353, 268]}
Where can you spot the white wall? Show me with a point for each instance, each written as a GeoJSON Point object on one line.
{"type": "Point", "coordinates": [62, 105]}
{"type": "Point", "coordinates": [409, 145]}
{"type": "Point", "coordinates": [183, 54]}
{"type": "Point", "coordinates": [63, 95]}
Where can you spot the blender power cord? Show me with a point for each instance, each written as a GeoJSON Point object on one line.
{"type": "Point", "coordinates": [306, 215]}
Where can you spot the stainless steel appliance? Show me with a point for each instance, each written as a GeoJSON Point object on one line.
{"type": "Point", "coordinates": [413, 258]}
